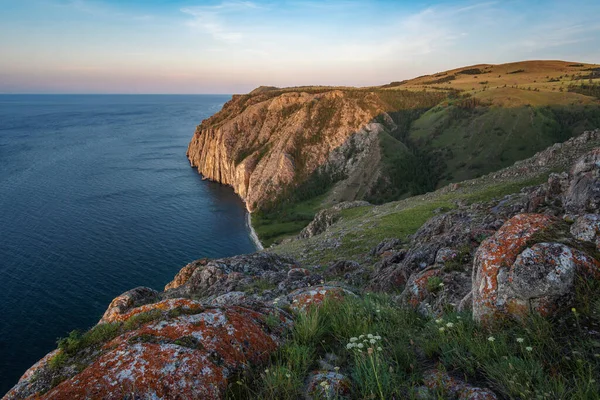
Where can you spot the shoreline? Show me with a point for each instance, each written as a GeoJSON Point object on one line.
{"type": "Point", "coordinates": [253, 235]}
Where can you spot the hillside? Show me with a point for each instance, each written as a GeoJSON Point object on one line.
{"type": "Point", "coordinates": [291, 152]}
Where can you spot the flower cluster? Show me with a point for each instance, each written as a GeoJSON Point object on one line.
{"type": "Point", "coordinates": [446, 325]}
{"type": "Point", "coordinates": [520, 340]}
{"type": "Point", "coordinates": [364, 341]}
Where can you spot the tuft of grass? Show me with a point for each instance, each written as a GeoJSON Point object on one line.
{"type": "Point", "coordinates": [310, 327]}
{"type": "Point", "coordinates": [538, 358]}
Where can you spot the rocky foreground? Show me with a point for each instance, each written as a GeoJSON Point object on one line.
{"type": "Point", "coordinates": [502, 261]}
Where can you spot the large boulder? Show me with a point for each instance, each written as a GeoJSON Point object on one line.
{"type": "Point", "coordinates": [513, 275]}
{"type": "Point", "coordinates": [187, 352]}
{"type": "Point", "coordinates": [543, 278]}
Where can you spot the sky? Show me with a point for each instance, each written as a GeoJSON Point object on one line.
{"type": "Point", "coordinates": [231, 46]}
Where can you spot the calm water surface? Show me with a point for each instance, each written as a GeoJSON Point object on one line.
{"type": "Point", "coordinates": [97, 197]}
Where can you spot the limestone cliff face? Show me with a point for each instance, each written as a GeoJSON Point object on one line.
{"type": "Point", "coordinates": [267, 141]}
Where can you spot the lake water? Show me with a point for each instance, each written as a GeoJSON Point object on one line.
{"type": "Point", "coordinates": [97, 197]}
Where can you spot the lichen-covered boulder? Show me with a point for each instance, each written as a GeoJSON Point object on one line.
{"type": "Point", "coordinates": [189, 352]}
{"type": "Point", "coordinates": [543, 278]}
{"type": "Point", "coordinates": [437, 381]}
{"type": "Point", "coordinates": [583, 192]}
{"type": "Point", "coordinates": [494, 258]}
{"type": "Point", "coordinates": [305, 298]}
{"type": "Point", "coordinates": [128, 300]}
{"type": "Point", "coordinates": [587, 228]}
{"type": "Point", "coordinates": [514, 275]}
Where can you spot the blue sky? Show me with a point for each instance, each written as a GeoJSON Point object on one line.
{"type": "Point", "coordinates": [186, 46]}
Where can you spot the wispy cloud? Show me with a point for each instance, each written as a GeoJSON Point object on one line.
{"type": "Point", "coordinates": [213, 19]}
{"type": "Point", "coordinates": [102, 9]}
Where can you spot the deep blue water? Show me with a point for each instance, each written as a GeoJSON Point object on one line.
{"type": "Point", "coordinates": [97, 197]}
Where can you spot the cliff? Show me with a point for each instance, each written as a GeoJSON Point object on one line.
{"type": "Point", "coordinates": [267, 142]}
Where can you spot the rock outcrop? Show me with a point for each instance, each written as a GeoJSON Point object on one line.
{"type": "Point", "coordinates": [327, 217]}
{"type": "Point", "coordinates": [186, 356]}
{"type": "Point", "coordinates": [506, 258]}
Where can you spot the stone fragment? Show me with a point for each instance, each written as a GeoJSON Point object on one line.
{"type": "Point", "coordinates": [328, 385]}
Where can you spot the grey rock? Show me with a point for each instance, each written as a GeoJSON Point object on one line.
{"type": "Point", "coordinates": [325, 218]}
{"type": "Point", "coordinates": [587, 228]}
{"type": "Point", "coordinates": [583, 193]}
{"type": "Point", "coordinates": [385, 245]}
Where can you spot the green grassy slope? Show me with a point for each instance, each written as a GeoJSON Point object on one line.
{"type": "Point", "coordinates": [475, 141]}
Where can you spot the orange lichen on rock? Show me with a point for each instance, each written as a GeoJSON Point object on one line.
{"type": "Point", "coordinates": [185, 274]}
{"type": "Point", "coordinates": [128, 300]}
{"type": "Point", "coordinates": [185, 305]}
{"type": "Point", "coordinates": [303, 299]}
{"type": "Point", "coordinates": [495, 256]}
{"type": "Point", "coordinates": [190, 356]}
{"type": "Point", "coordinates": [511, 279]}
{"type": "Point", "coordinates": [417, 287]}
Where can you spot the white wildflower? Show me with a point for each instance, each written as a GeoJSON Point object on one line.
{"type": "Point", "coordinates": [491, 339]}
{"type": "Point", "coordinates": [449, 324]}
{"type": "Point", "coordinates": [529, 348]}
{"type": "Point", "coordinates": [520, 340]}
